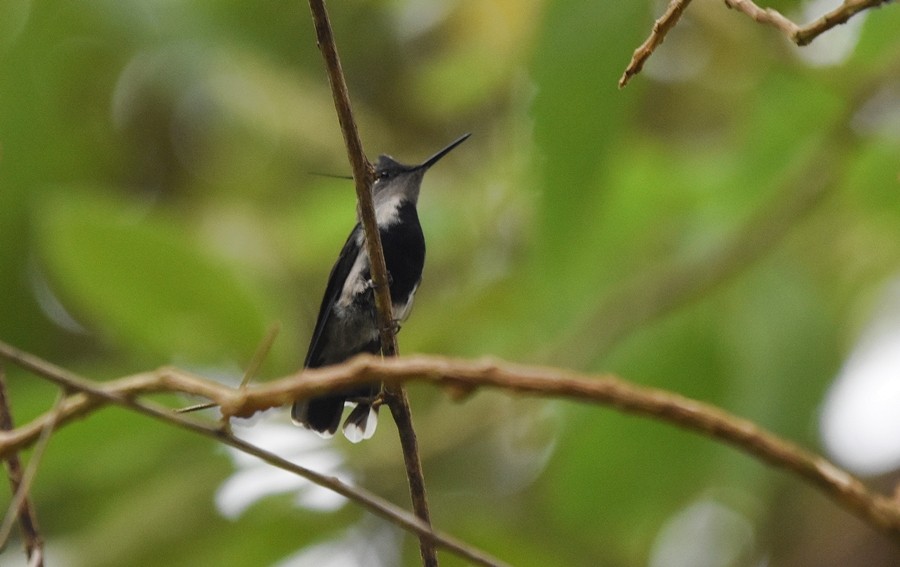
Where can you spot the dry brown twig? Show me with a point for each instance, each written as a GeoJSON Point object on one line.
{"type": "Point", "coordinates": [803, 35]}
{"type": "Point", "coordinates": [800, 35]}
{"type": "Point", "coordinates": [20, 505]}
{"type": "Point", "coordinates": [660, 28]}
{"type": "Point", "coordinates": [364, 176]}
{"type": "Point", "coordinates": [879, 511]}
{"type": "Point", "coordinates": [88, 396]}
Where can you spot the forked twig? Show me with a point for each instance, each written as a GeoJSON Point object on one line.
{"type": "Point", "coordinates": [20, 481]}
{"type": "Point", "coordinates": [803, 35]}
{"type": "Point", "coordinates": [800, 35]}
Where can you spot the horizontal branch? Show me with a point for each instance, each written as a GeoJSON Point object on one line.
{"type": "Point", "coordinates": [461, 377]}
{"type": "Point", "coordinates": [124, 391]}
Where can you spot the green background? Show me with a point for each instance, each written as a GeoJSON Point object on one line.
{"type": "Point", "coordinates": [719, 228]}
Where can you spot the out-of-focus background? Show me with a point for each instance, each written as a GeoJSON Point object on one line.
{"type": "Point", "coordinates": [727, 227]}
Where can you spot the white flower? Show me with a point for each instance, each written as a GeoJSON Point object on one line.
{"type": "Point", "coordinates": [368, 544]}
{"type": "Point", "coordinates": [255, 480]}
{"type": "Point", "coordinates": [860, 421]}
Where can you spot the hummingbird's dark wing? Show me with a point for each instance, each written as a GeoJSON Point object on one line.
{"type": "Point", "coordinates": [339, 273]}
{"type": "Point", "coordinates": [331, 343]}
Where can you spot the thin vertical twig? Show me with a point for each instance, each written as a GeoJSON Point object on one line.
{"type": "Point", "coordinates": [19, 481]}
{"type": "Point", "coordinates": [364, 176]}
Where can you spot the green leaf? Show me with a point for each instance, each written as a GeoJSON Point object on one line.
{"type": "Point", "coordinates": [140, 282]}
{"type": "Point", "coordinates": [579, 113]}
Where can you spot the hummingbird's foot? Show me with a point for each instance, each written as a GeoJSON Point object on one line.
{"type": "Point", "coordinates": [393, 326]}
{"type": "Point", "coordinates": [370, 283]}
{"type": "Point", "coordinates": [376, 400]}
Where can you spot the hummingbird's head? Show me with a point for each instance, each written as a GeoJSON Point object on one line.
{"type": "Point", "coordinates": [394, 179]}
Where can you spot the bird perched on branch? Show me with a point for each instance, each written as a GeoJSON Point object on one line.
{"type": "Point", "coordinates": [347, 322]}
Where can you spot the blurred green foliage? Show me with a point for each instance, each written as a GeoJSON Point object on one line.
{"type": "Point", "coordinates": [157, 207]}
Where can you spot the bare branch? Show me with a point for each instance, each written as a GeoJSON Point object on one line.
{"type": "Point", "coordinates": [378, 506]}
{"type": "Point", "coordinates": [836, 17]}
{"type": "Point", "coordinates": [124, 391]}
{"type": "Point", "coordinates": [800, 35]}
{"type": "Point", "coordinates": [766, 16]}
{"type": "Point", "coordinates": [803, 35]}
{"type": "Point", "coordinates": [363, 173]}
{"type": "Point", "coordinates": [461, 376]}
{"type": "Point", "coordinates": [398, 402]}
{"type": "Point", "coordinates": [661, 27]}
{"type": "Point", "coordinates": [20, 505]}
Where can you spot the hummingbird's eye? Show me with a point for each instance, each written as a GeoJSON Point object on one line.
{"type": "Point", "coordinates": [382, 175]}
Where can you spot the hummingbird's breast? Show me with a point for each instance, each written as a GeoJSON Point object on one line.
{"type": "Point", "coordinates": [404, 253]}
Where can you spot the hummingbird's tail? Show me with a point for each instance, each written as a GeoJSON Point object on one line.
{"type": "Point", "coordinates": [321, 415]}
{"type": "Point", "coordinates": [361, 422]}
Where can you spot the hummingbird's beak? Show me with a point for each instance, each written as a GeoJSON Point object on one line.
{"type": "Point", "coordinates": [434, 159]}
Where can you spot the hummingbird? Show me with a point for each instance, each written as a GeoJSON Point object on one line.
{"type": "Point", "coordinates": [347, 321]}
